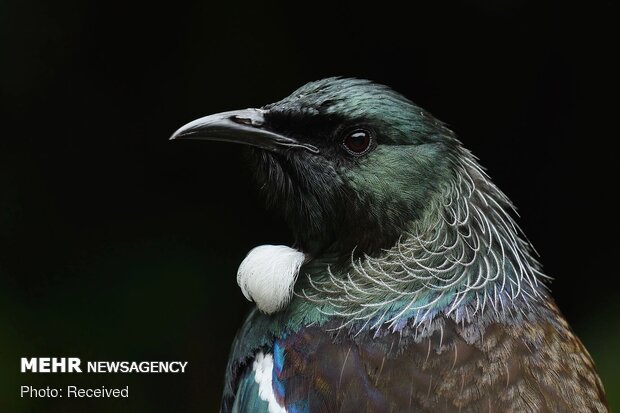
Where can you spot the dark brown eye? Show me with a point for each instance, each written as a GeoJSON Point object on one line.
{"type": "Point", "coordinates": [357, 142]}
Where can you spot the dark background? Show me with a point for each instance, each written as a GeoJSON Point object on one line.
{"type": "Point", "coordinates": [116, 244]}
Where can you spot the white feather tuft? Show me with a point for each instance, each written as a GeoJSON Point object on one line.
{"type": "Point", "coordinates": [263, 374]}
{"type": "Point", "coordinates": [267, 276]}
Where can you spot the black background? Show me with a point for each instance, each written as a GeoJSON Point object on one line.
{"type": "Point", "coordinates": [116, 244]}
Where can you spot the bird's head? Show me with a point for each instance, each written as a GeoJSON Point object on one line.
{"type": "Point", "coordinates": [352, 163]}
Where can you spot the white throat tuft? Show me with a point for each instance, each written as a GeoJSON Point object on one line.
{"type": "Point", "coordinates": [267, 276]}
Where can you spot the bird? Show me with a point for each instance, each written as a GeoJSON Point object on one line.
{"type": "Point", "coordinates": [409, 286]}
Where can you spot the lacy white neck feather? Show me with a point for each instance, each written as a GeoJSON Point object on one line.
{"type": "Point", "coordinates": [473, 259]}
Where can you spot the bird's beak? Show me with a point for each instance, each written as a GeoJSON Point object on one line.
{"type": "Point", "coordinates": [239, 126]}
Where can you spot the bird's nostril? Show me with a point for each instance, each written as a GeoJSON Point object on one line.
{"type": "Point", "coordinates": [246, 121]}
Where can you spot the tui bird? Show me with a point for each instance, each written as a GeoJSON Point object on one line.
{"type": "Point", "coordinates": [410, 287]}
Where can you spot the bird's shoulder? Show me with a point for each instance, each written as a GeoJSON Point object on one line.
{"type": "Point", "coordinates": [531, 363]}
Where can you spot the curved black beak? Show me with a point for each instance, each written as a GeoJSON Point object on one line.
{"type": "Point", "coordinates": [239, 126]}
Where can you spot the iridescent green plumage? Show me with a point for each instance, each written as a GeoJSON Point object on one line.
{"type": "Point", "coordinates": [420, 292]}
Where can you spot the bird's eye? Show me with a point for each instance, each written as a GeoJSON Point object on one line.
{"type": "Point", "coordinates": [357, 142]}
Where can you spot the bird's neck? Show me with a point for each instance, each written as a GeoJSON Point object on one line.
{"type": "Point", "coordinates": [464, 258]}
